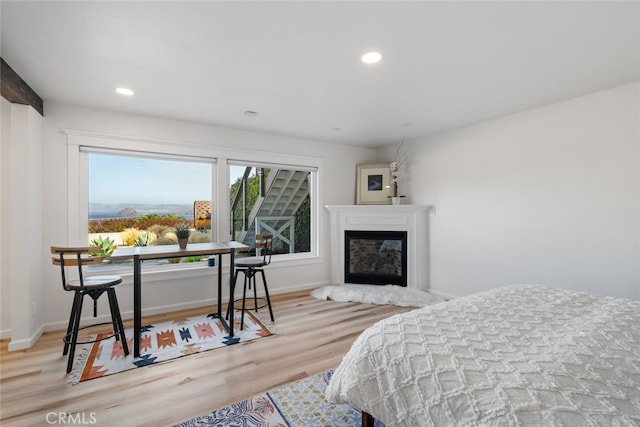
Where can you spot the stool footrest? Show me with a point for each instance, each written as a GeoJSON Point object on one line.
{"type": "Point", "coordinates": [67, 338]}
{"type": "Point", "coordinates": [261, 300]}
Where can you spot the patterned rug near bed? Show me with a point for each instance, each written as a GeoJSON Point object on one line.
{"type": "Point", "coordinates": [162, 342]}
{"type": "Point", "coordinates": [299, 404]}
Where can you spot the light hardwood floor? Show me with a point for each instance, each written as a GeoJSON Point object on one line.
{"type": "Point", "coordinates": [312, 337]}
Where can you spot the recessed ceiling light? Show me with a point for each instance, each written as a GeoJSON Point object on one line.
{"type": "Point", "coordinates": [124, 91]}
{"type": "Point", "coordinates": [371, 57]}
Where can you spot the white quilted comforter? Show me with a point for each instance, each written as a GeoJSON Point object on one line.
{"type": "Point", "coordinates": [520, 355]}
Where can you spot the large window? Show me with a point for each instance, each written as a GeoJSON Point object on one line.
{"type": "Point", "coordinates": [130, 191]}
{"type": "Point", "coordinates": [137, 200]}
{"type": "Point", "coordinates": [274, 199]}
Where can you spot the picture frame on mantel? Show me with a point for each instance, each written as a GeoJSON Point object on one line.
{"type": "Point", "coordinates": [373, 182]}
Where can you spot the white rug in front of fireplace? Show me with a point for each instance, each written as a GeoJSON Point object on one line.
{"type": "Point", "coordinates": [376, 294]}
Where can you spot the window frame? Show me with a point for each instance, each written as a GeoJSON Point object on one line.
{"type": "Point", "coordinates": [313, 171]}
{"type": "Point", "coordinates": [77, 188]}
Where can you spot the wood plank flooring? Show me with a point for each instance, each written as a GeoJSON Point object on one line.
{"type": "Point", "coordinates": [312, 337]}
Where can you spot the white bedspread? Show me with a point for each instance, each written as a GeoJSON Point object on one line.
{"type": "Point", "coordinates": [520, 355]}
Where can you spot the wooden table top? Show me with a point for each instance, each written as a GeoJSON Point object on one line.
{"type": "Point", "coordinates": [171, 251]}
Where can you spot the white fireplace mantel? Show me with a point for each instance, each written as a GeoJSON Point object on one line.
{"type": "Point", "coordinates": [413, 219]}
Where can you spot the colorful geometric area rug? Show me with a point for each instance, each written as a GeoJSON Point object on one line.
{"type": "Point", "coordinates": [160, 342]}
{"type": "Point", "coordinates": [299, 404]}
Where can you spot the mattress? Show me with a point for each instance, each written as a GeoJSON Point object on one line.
{"type": "Point", "coordinates": [519, 355]}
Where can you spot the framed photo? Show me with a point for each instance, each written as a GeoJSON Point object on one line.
{"type": "Point", "coordinates": [372, 184]}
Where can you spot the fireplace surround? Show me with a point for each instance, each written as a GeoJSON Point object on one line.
{"type": "Point", "coordinates": [412, 219]}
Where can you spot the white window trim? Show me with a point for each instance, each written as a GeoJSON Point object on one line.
{"type": "Point", "coordinates": [77, 197]}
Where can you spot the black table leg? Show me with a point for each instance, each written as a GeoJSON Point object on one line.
{"type": "Point", "coordinates": [228, 324]}
{"type": "Point", "coordinates": [220, 288]}
{"type": "Point", "coordinates": [137, 305]}
{"type": "Point", "coordinates": [231, 290]}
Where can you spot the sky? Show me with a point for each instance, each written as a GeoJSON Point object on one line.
{"type": "Point", "coordinates": [124, 179]}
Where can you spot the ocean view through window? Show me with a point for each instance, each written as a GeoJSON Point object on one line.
{"type": "Point", "coordinates": [138, 200]}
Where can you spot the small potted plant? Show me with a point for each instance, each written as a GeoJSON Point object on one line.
{"type": "Point", "coordinates": [182, 233]}
{"type": "Point", "coordinates": [106, 245]}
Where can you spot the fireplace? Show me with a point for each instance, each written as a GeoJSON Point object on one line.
{"type": "Point", "coordinates": [375, 257]}
{"type": "Point", "coordinates": [409, 219]}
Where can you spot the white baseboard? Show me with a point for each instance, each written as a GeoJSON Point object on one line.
{"type": "Point", "coordinates": [126, 315]}
{"type": "Point", "coordinates": [306, 286]}
{"type": "Point", "coordinates": [442, 294]}
{"type": "Point", "coordinates": [25, 343]}
{"type": "Point", "coordinates": [62, 325]}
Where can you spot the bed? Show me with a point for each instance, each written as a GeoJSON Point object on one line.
{"type": "Point", "coordinates": [518, 355]}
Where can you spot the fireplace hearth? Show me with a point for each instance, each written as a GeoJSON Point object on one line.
{"type": "Point", "coordinates": [375, 257]}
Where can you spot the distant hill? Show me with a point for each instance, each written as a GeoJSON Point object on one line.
{"type": "Point", "coordinates": [128, 213]}
{"type": "Point", "coordinates": [128, 210]}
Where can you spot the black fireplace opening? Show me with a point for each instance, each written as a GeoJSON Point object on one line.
{"type": "Point", "coordinates": [375, 257]}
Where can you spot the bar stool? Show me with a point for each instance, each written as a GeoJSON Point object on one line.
{"type": "Point", "coordinates": [250, 266]}
{"type": "Point", "coordinates": [93, 286]}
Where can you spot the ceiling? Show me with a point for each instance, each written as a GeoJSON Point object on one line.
{"type": "Point", "coordinates": [444, 64]}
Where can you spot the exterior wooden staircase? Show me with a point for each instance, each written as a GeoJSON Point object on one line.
{"type": "Point", "coordinates": [275, 209]}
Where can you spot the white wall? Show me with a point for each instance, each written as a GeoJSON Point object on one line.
{"type": "Point", "coordinates": [548, 196]}
{"type": "Point", "coordinates": [5, 146]}
{"type": "Point", "coordinates": [21, 224]}
{"type": "Point", "coordinates": [337, 187]}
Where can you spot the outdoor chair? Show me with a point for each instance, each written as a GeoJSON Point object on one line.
{"type": "Point", "coordinates": [93, 286]}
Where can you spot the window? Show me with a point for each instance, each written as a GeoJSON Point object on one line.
{"type": "Point", "coordinates": [138, 199]}
{"type": "Point", "coordinates": [267, 198]}
{"type": "Point", "coordinates": [172, 177]}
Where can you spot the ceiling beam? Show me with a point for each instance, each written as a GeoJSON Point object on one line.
{"type": "Point", "coordinates": [16, 90]}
